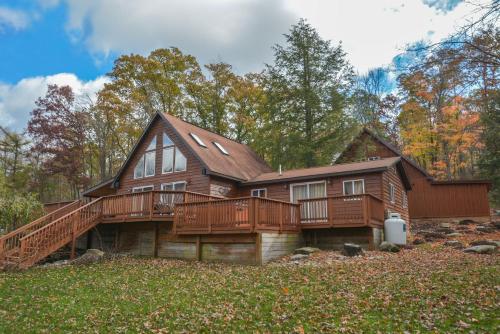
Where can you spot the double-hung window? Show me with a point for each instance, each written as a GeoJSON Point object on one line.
{"type": "Point", "coordinates": [354, 187]}
{"type": "Point", "coordinates": [392, 193]}
{"type": "Point", "coordinates": [173, 159]}
{"type": "Point", "coordinates": [146, 165]}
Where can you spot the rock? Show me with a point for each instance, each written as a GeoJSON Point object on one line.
{"type": "Point", "coordinates": [454, 234]}
{"type": "Point", "coordinates": [481, 249]}
{"type": "Point", "coordinates": [466, 222]}
{"type": "Point", "coordinates": [485, 229]}
{"type": "Point", "coordinates": [306, 250]}
{"type": "Point", "coordinates": [352, 250]}
{"type": "Point", "coordinates": [485, 242]}
{"type": "Point", "coordinates": [445, 225]}
{"type": "Point", "coordinates": [418, 241]}
{"type": "Point", "coordinates": [454, 243]}
{"type": "Point", "coordinates": [462, 228]}
{"type": "Point", "coordinates": [298, 257]}
{"type": "Point", "coordinates": [386, 246]}
{"type": "Point", "coordinates": [91, 256]}
{"type": "Point", "coordinates": [445, 230]}
{"type": "Point", "coordinates": [59, 263]}
{"type": "Point", "coordinates": [496, 224]}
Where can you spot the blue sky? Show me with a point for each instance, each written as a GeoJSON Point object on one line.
{"type": "Point", "coordinates": [74, 42]}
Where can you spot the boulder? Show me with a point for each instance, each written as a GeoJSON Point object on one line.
{"type": "Point", "coordinates": [430, 235]}
{"type": "Point", "coordinates": [306, 250]}
{"type": "Point", "coordinates": [418, 241]}
{"type": "Point", "coordinates": [445, 230]}
{"type": "Point", "coordinates": [91, 256]}
{"type": "Point", "coordinates": [485, 242]}
{"type": "Point", "coordinates": [454, 243]}
{"type": "Point", "coordinates": [481, 249]}
{"type": "Point", "coordinates": [298, 257]}
{"type": "Point", "coordinates": [352, 250]}
{"type": "Point", "coordinates": [485, 229]}
{"type": "Point", "coordinates": [466, 222]}
{"type": "Point", "coordinates": [445, 225]}
{"type": "Point", "coordinates": [386, 246]}
{"type": "Point", "coordinates": [496, 224]}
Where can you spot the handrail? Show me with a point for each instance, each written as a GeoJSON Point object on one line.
{"type": "Point", "coordinates": [11, 240]}
{"type": "Point", "coordinates": [240, 198]}
{"type": "Point", "coordinates": [340, 196]}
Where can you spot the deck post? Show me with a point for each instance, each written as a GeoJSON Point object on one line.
{"type": "Point", "coordinates": [329, 210]}
{"type": "Point", "coordinates": [281, 217]}
{"type": "Point", "coordinates": [366, 209]}
{"type": "Point", "coordinates": [2, 249]}
{"type": "Point", "coordinates": [258, 248]}
{"type": "Point", "coordinates": [198, 248]}
{"type": "Point", "coordinates": [209, 217]}
{"type": "Point", "coordinates": [151, 197]}
{"type": "Point", "coordinates": [73, 239]}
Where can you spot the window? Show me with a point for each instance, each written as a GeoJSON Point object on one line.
{"type": "Point", "coordinates": [138, 201]}
{"type": "Point", "coordinates": [392, 193]}
{"type": "Point", "coordinates": [173, 159]}
{"type": "Point", "coordinates": [146, 164]}
{"type": "Point", "coordinates": [307, 190]}
{"type": "Point", "coordinates": [178, 186]}
{"type": "Point", "coordinates": [405, 200]}
{"type": "Point", "coordinates": [221, 148]}
{"type": "Point", "coordinates": [197, 139]}
{"type": "Point", "coordinates": [354, 187]}
{"type": "Point", "coordinates": [259, 192]}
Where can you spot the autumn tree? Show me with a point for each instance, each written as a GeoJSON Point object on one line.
{"type": "Point", "coordinates": [58, 130]}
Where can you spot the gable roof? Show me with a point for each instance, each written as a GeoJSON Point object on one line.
{"type": "Point", "coordinates": [388, 145]}
{"type": "Point", "coordinates": [241, 163]}
{"type": "Point", "coordinates": [352, 168]}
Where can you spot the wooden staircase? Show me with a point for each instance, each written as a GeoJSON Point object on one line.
{"type": "Point", "coordinates": [31, 243]}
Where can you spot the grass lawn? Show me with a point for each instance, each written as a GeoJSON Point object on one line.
{"type": "Point", "coordinates": [428, 289]}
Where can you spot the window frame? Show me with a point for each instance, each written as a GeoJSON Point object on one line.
{"type": "Point", "coordinates": [174, 149]}
{"type": "Point", "coordinates": [405, 200]}
{"type": "Point", "coordinates": [392, 193]}
{"type": "Point", "coordinates": [221, 148]}
{"type": "Point", "coordinates": [259, 190]}
{"type": "Point", "coordinates": [197, 139]}
{"type": "Point", "coordinates": [352, 181]}
{"type": "Point", "coordinates": [308, 191]}
{"type": "Point", "coordinates": [143, 158]}
{"type": "Point", "coordinates": [142, 187]}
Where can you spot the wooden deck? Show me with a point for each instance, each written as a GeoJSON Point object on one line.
{"type": "Point", "coordinates": [191, 214]}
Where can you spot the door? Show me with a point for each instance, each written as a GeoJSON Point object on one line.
{"type": "Point", "coordinates": [315, 211]}
{"type": "Point", "coordinates": [139, 201]}
{"type": "Point", "coordinates": [168, 200]}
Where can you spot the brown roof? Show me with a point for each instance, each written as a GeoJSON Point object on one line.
{"type": "Point", "coordinates": [338, 169]}
{"type": "Point", "coordinates": [241, 164]}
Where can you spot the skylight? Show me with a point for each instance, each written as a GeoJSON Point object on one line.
{"type": "Point", "coordinates": [197, 139]}
{"type": "Point", "coordinates": [221, 148]}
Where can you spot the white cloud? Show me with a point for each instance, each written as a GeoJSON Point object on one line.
{"type": "Point", "coordinates": [242, 32]}
{"type": "Point", "coordinates": [239, 32]}
{"type": "Point", "coordinates": [18, 100]}
{"type": "Point", "coordinates": [373, 32]}
{"type": "Point", "coordinates": [12, 18]}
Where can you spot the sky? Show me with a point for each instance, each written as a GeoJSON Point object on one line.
{"type": "Point", "coordinates": [74, 42]}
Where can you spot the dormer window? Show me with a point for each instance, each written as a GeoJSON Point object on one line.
{"type": "Point", "coordinates": [146, 165]}
{"type": "Point", "coordinates": [173, 159]}
{"type": "Point", "coordinates": [221, 148]}
{"type": "Point", "coordinates": [197, 139]}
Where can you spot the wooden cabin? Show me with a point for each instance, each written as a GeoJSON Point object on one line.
{"type": "Point", "coordinates": [185, 192]}
{"type": "Point", "coordinates": [428, 199]}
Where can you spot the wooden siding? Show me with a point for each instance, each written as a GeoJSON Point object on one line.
{"type": "Point", "coordinates": [334, 186]}
{"type": "Point", "coordinates": [196, 181]}
{"type": "Point", "coordinates": [392, 176]}
{"type": "Point", "coordinates": [429, 200]}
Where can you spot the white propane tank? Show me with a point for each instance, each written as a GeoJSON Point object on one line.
{"type": "Point", "coordinates": [395, 229]}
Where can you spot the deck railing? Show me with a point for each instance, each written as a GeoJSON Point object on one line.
{"type": "Point", "coordinates": [236, 215]}
{"type": "Point", "coordinates": [152, 204]}
{"type": "Point", "coordinates": [342, 211]}
{"type": "Point", "coordinates": [11, 241]}
{"type": "Point", "coordinates": [44, 241]}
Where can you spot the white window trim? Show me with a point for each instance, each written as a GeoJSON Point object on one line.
{"type": "Point", "coordinates": [154, 163]}
{"type": "Point", "coordinates": [405, 200]}
{"type": "Point", "coordinates": [173, 184]}
{"type": "Point", "coordinates": [175, 148]}
{"type": "Point", "coordinates": [197, 139]}
{"type": "Point", "coordinates": [155, 138]}
{"type": "Point", "coordinates": [259, 189]}
{"type": "Point", "coordinates": [221, 148]}
{"type": "Point", "coordinates": [305, 183]}
{"type": "Point", "coordinates": [175, 160]}
{"type": "Point", "coordinates": [352, 181]}
{"type": "Point", "coordinates": [392, 193]}
{"type": "Point", "coordinates": [142, 187]}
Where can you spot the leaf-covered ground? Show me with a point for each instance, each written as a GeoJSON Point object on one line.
{"type": "Point", "coordinates": [427, 289]}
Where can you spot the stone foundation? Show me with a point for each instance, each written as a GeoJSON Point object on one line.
{"type": "Point", "coordinates": [334, 238]}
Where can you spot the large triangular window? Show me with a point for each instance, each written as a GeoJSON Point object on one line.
{"type": "Point", "coordinates": [146, 165]}
{"type": "Point", "coordinates": [173, 159]}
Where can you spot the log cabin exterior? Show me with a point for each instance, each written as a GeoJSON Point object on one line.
{"type": "Point", "coordinates": [428, 199]}
{"type": "Point", "coordinates": [185, 192]}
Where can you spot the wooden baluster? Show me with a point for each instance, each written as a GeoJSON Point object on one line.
{"type": "Point", "coordinates": [151, 205]}
{"type": "Point", "coordinates": [329, 211]}
{"type": "Point", "coordinates": [209, 217]}
{"type": "Point", "coordinates": [73, 236]}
